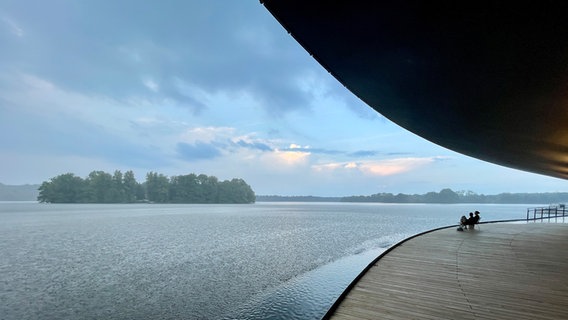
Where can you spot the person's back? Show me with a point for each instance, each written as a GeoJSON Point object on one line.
{"type": "Point", "coordinates": [476, 217]}
{"type": "Point", "coordinates": [463, 221]}
{"type": "Point", "coordinates": [470, 221]}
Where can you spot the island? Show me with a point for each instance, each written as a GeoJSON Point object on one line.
{"type": "Point", "coordinates": [102, 187]}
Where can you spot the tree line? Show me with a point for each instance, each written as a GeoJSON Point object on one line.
{"type": "Point", "coordinates": [450, 196]}
{"type": "Point", "coordinates": [103, 187]}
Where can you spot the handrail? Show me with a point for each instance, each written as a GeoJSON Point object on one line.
{"type": "Point", "coordinates": [547, 212]}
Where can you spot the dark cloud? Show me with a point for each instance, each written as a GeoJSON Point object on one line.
{"type": "Point", "coordinates": [364, 153]}
{"type": "Point", "coordinates": [62, 136]}
{"type": "Point", "coordinates": [108, 47]}
{"type": "Point", "coordinates": [184, 99]}
{"type": "Point", "coordinates": [197, 151]}
{"type": "Point", "coordinates": [254, 145]}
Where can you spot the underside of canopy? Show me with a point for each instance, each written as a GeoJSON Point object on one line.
{"type": "Point", "coordinates": [488, 79]}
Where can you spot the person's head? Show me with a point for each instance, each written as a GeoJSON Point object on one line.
{"type": "Point", "coordinates": [476, 213]}
{"type": "Point", "coordinates": [471, 214]}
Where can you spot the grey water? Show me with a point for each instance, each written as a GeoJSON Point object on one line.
{"type": "Point", "coordinates": [151, 261]}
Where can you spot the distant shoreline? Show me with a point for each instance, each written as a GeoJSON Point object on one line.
{"type": "Point", "coordinates": [30, 192]}
{"type": "Point", "coordinates": [26, 192]}
{"type": "Point", "coordinates": [445, 196]}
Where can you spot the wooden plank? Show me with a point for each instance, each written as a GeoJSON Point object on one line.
{"type": "Point", "coordinates": [505, 271]}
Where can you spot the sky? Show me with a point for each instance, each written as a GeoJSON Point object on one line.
{"type": "Point", "coordinates": [212, 87]}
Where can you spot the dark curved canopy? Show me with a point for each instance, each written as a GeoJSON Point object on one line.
{"type": "Point", "coordinates": [488, 79]}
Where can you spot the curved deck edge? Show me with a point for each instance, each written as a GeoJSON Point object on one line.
{"type": "Point", "coordinates": [344, 294]}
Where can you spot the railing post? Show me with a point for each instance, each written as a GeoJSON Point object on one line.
{"type": "Point", "coordinates": [528, 209]}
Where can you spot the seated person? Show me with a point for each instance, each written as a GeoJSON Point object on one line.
{"type": "Point", "coordinates": [470, 221]}
{"type": "Point", "coordinates": [463, 221]}
{"type": "Point", "coordinates": [476, 217]}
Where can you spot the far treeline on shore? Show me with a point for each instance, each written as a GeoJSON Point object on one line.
{"type": "Point", "coordinates": [102, 187]}
{"type": "Point", "coordinates": [444, 196]}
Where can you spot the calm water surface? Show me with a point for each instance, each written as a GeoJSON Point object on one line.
{"type": "Point", "coordinates": [149, 261]}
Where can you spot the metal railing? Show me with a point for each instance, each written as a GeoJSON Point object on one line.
{"type": "Point", "coordinates": [553, 211]}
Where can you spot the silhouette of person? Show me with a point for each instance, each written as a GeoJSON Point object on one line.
{"type": "Point", "coordinates": [470, 221]}
{"type": "Point", "coordinates": [463, 221]}
{"type": "Point", "coordinates": [476, 217]}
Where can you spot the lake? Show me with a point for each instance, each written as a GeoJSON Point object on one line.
{"type": "Point", "coordinates": [153, 261]}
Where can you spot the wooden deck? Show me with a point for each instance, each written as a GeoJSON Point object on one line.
{"type": "Point", "coordinates": [502, 271]}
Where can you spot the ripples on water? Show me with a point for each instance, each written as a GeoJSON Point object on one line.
{"type": "Point", "coordinates": [260, 261]}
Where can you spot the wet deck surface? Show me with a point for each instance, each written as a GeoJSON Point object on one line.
{"type": "Point", "coordinates": [500, 271]}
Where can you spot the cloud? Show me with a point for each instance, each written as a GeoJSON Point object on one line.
{"type": "Point", "coordinates": [292, 157]}
{"type": "Point", "coordinates": [64, 135]}
{"type": "Point", "coordinates": [363, 153]}
{"type": "Point", "coordinates": [208, 134]}
{"type": "Point", "coordinates": [254, 145]}
{"type": "Point", "coordinates": [12, 26]}
{"type": "Point", "coordinates": [197, 151]}
{"type": "Point", "coordinates": [178, 86]}
{"type": "Point", "coordinates": [151, 84]}
{"type": "Point", "coordinates": [329, 166]}
{"type": "Point", "coordinates": [392, 167]}
{"type": "Point", "coordinates": [35, 135]}
{"type": "Point", "coordinates": [227, 139]}
{"type": "Point", "coordinates": [283, 160]}
{"type": "Point", "coordinates": [211, 142]}
{"type": "Point", "coordinates": [308, 149]}
{"type": "Point", "coordinates": [387, 167]}
{"type": "Point", "coordinates": [182, 52]}
{"type": "Point", "coordinates": [188, 95]}
{"type": "Point", "coordinates": [38, 118]}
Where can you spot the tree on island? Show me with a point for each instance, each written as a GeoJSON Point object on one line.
{"type": "Point", "coordinates": [102, 187]}
{"type": "Point", "coordinates": [65, 188]}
